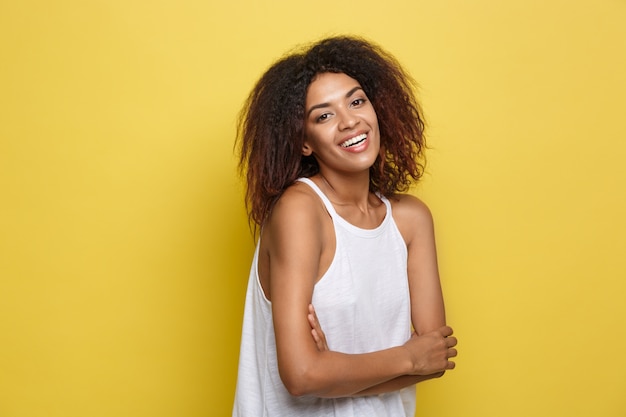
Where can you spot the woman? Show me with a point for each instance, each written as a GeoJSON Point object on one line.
{"type": "Point", "coordinates": [345, 266]}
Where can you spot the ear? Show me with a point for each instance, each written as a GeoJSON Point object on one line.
{"type": "Point", "coordinates": [306, 149]}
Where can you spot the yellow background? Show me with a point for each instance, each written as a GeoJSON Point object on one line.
{"type": "Point", "coordinates": [124, 248]}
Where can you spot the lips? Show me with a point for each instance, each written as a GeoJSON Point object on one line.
{"type": "Point", "coordinates": [354, 141]}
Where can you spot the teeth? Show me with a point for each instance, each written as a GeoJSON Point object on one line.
{"type": "Point", "coordinates": [354, 140]}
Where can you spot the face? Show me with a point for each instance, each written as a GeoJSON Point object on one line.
{"type": "Point", "coordinates": [341, 127]}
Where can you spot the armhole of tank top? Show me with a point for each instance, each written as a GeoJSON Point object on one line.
{"type": "Point", "coordinates": [257, 275]}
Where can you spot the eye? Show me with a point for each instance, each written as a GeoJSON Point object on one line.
{"type": "Point", "coordinates": [322, 117]}
{"type": "Point", "coordinates": [357, 102]}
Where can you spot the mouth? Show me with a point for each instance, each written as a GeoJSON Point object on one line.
{"type": "Point", "coordinates": [354, 141]}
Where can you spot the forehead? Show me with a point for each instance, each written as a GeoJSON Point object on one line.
{"type": "Point", "coordinates": [329, 86]}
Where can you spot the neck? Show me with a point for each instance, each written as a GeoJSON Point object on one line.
{"type": "Point", "coordinates": [346, 190]}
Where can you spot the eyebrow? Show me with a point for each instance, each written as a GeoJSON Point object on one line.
{"type": "Point", "coordinates": [322, 105]}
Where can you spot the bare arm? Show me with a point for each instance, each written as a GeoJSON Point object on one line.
{"type": "Point", "coordinates": [296, 228]}
{"type": "Point", "coordinates": [416, 226]}
{"type": "Point", "coordinates": [392, 385]}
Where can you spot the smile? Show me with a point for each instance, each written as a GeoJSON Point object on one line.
{"type": "Point", "coordinates": [354, 141]}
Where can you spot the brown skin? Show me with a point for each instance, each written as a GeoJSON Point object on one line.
{"type": "Point", "coordinates": [338, 110]}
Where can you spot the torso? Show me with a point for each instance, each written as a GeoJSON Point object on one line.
{"type": "Point", "coordinates": [362, 302]}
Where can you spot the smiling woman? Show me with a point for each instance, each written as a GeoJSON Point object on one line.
{"type": "Point", "coordinates": [344, 310]}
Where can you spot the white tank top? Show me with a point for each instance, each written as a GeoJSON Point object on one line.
{"type": "Point", "coordinates": [363, 305]}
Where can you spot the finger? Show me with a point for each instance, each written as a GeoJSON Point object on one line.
{"type": "Point", "coordinates": [452, 353]}
{"type": "Point", "coordinates": [316, 337]}
{"type": "Point", "coordinates": [451, 365]}
{"type": "Point", "coordinates": [451, 341]}
{"type": "Point", "coordinates": [319, 343]}
{"type": "Point", "coordinates": [321, 336]}
{"type": "Point", "coordinates": [312, 316]}
{"type": "Point", "coordinates": [445, 331]}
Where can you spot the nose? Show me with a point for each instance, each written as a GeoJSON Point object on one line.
{"type": "Point", "coordinates": [347, 120]}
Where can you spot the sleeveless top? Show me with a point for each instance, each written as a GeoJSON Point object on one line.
{"type": "Point", "coordinates": [363, 305]}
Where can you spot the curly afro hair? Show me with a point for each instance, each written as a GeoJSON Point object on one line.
{"type": "Point", "coordinates": [270, 131]}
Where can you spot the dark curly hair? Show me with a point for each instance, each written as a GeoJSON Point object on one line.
{"type": "Point", "coordinates": [270, 130]}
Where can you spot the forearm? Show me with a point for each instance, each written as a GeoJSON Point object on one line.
{"type": "Point", "coordinates": [396, 384]}
{"type": "Point", "coordinates": [333, 374]}
{"type": "Point", "coordinates": [389, 384]}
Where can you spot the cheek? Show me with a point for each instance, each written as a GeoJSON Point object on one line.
{"type": "Point", "coordinates": [371, 117]}
{"type": "Point", "coordinates": [374, 117]}
{"type": "Point", "coordinates": [319, 133]}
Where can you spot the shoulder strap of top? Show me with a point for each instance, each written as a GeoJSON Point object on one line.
{"type": "Point", "coordinates": [322, 196]}
{"type": "Point", "coordinates": [338, 220]}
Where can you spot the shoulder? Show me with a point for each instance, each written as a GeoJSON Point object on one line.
{"type": "Point", "coordinates": [411, 215]}
{"type": "Point", "coordinates": [409, 206]}
{"type": "Point", "coordinates": [297, 200]}
{"type": "Point", "coordinates": [298, 208]}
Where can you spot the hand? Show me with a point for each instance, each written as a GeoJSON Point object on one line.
{"type": "Point", "coordinates": [316, 330]}
{"type": "Point", "coordinates": [431, 352]}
